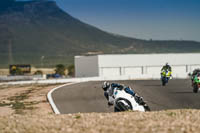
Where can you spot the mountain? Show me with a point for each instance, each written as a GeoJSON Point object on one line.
{"type": "Point", "coordinates": [41, 34]}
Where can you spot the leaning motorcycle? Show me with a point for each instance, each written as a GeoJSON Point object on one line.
{"type": "Point", "coordinates": [125, 102]}
{"type": "Point", "coordinates": [165, 76]}
{"type": "Point", "coordinates": [196, 84]}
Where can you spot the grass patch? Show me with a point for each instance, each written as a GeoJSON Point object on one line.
{"type": "Point", "coordinates": [3, 87]}
{"type": "Point", "coordinates": [18, 105]}
{"type": "Point", "coordinates": [21, 97]}
{"type": "Point", "coordinates": [17, 102]}
{"type": "Point", "coordinates": [4, 104]}
{"type": "Point", "coordinates": [20, 102]}
{"type": "Point", "coordinates": [77, 116]}
{"type": "Point", "coordinates": [171, 114]}
{"type": "Point", "coordinates": [47, 85]}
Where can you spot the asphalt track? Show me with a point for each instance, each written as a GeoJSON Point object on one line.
{"type": "Point", "coordinates": [88, 96]}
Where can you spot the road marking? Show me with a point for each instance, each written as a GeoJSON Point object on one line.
{"type": "Point", "coordinates": [50, 99]}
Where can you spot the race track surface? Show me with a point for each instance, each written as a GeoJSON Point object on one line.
{"type": "Point", "coordinates": [88, 96]}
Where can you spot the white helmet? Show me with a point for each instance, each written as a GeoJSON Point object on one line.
{"type": "Point", "coordinates": [105, 85]}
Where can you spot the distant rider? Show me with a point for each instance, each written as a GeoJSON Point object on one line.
{"type": "Point", "coordinates": [195, 74]}
{"type": "Point", "coordinates": [109, 89]}
{"type": "Point", "coordinates": [166, 68]}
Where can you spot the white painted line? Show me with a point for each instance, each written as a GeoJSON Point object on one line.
{"type": "Point", "coordinates": [49, 96]}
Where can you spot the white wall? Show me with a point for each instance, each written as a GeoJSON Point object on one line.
{"type": "Point", "coordinates": [147, 59]}
{"type": "Point", "coordinates": [150, 64]}
{"type": "Point", "coordinates": [132, 70]}
{"type": "Point", "coordinates": [110, 71]}
{"type": "Point", "coordinates": [137, 65]}
{"type": "Point", "coordinates": [192, 67]}
{"type": "Point", "coordinates": [86, 66]}
{"type": "Point", "coordinates": [154, 71]}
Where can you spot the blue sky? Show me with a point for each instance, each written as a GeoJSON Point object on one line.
{"type": "Point", "coordinates": [145, 19]}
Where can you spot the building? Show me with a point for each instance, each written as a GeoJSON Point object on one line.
{"type": "Point", "coordinates": [135, 65]}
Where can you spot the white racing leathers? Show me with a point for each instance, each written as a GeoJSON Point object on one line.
{"type": "Point", "coordinates": [123, 101]}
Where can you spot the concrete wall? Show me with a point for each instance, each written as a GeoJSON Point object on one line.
{"type": "Point", "coordinates": [147, 59]}
{"type": "Point", "coordinates": [86, 66]}
{"type": "Point", "coordinates": [141, 65]}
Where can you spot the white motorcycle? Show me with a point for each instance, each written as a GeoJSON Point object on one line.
{"type": "Point", "coordinates": [125, 102]}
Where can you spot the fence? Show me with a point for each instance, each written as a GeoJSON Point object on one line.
{"type": "Point", "coordinates": [178, 71]}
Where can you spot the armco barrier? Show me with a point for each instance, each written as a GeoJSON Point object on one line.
{"type": "Point", "coordinates": [70, 80]}
{"type": "Point", "coordinates": [20, 78]}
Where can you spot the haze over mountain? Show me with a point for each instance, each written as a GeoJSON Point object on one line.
{"type": "Point", "coordinates": [41, 34]}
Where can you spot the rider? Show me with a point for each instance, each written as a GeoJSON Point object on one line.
{"type": "Point", "coordinates": [167, 67]}
{"type": "Point", "coordinates": [195, 73]}
{"type": "Point", "coordinates": [109, 89]}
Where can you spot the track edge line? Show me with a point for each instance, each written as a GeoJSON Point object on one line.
{"type": "Point", "coordinates": [50, 99]}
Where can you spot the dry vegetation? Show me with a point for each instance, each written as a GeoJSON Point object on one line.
{"type": "Point", "coordinates": [24, 99]}
{"type": "Point", "coordinates": [179, 121]}
{"type": "Point", "coordinates": [24, 109]}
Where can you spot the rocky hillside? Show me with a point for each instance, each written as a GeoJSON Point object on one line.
{"type": "Point", "coordinates": [41, 34]}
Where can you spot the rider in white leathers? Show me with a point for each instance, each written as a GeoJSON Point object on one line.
{"type": "Point", "coordinates": [108, 92]}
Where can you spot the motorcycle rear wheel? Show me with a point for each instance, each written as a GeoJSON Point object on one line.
{"type": "Point", "coordinates": [195, 89]}
{"type": "Point", "coordinates": [163, 83]}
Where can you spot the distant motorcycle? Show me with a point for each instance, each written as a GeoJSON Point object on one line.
{"type": "Point", "coordinates": [196, 83]}
{"type": "Point", "coordinates": [125, 102]}
{"type": "Point", "coordinates": [165, 76]}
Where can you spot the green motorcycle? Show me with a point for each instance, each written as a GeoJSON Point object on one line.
{"type": "Point", "coordinates": [196, 83]}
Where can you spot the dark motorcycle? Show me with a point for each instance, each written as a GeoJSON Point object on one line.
{"type": "Point", "coordinates": [196, 83]}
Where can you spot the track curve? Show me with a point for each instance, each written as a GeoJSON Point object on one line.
{"type": "Point", "coordinates": [88, 96]}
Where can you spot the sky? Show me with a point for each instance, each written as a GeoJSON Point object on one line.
{"type": "Point", "coordinates": [144, 19]}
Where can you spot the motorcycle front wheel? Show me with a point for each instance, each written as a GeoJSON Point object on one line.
{"type": "Point", "coordinates": [122, 105]}
{"type": "Point", "coordinates": [146, 107]}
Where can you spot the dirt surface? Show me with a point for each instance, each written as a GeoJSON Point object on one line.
{"type": "Point", "coordinates": [25, 99]}
{"type": "Point", "coordinates": [89, 97]}
{"type": "Point", "coordinates": [179, 121]}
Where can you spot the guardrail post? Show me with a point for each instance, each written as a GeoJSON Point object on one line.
{"type": "Point", "coordinates": [142, 70]}
{"type": "Point", "coordinates": [186, 68]}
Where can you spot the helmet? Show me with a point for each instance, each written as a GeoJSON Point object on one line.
{"type": "Point", "coordinates": [105, 85]}
{"type": "Point", "coordinates": [166, 64]}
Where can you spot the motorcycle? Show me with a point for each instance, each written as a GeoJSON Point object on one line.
{"type": "Point", "coordinates": [125, 102]}
{"type": "Point", "coordinates": [165, 76]}
{"type": "Point", "coordinates": [196, 83]}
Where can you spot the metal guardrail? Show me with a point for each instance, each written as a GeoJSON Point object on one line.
{"type": "Point", "coordinates": [71, 80]}
{"type": "Point", "coordinates": [20, 78]}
